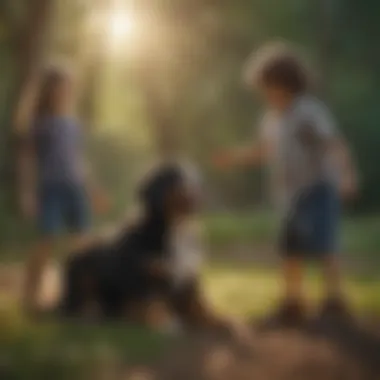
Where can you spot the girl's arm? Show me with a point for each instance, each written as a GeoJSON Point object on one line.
{"type": "Point", "coordinates": [27, 177]}
{"type": "Point", "coordinates": [96, 193]}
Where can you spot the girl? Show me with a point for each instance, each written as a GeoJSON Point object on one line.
{"type": "Point", "coordinates": [53, 174]}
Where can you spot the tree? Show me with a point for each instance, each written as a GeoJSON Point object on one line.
{"type": "Point", "coordinates": [22, 25]}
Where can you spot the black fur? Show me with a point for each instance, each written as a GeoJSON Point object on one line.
{"type": "Point", "coordinates": [115, 274]}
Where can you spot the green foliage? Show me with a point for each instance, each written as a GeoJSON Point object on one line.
{"type": "Point", "coordinates": [190, 55]}
{"type": "Point", "coordinates": [197, 51]}
{"type": "Point", "coordinates": [256, 230]}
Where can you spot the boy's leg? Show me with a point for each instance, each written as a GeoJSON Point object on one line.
{"type": "Point", "coordinates": [291, 309]}
{"type": "Point", "coordinates": [332, 277]}
{"type": "Point", "coordinates": [293, 277]}
{"type": "Point", "coordinates": [334, 304]}
{"type": "Point", "coordinates": [291, 250]}
{"type": "Point", "coordinates": [325, 217]}
{"type": "Point", "coordinates": [326, 229]}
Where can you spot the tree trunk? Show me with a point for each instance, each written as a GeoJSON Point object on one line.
{"type": "Point", "coordinates": [27, 55]}
{"type": "Point", "coordinates": [158, 108]}
{"type": "Point", "coordinates": [325, 33]}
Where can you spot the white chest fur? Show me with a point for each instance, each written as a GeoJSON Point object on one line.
{"type": "Point", "coordinates": [186, 251]}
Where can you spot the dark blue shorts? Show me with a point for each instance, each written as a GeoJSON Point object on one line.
{"type": "Point", "coordinates": [311, 227]}
{"type": "Point", "coordinates": [63, 206]}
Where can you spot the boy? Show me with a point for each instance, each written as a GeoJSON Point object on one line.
{"type": "Point", "coordinates": [310, 164]}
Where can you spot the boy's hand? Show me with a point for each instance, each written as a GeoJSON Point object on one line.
{"type": "Point", "coordinates": [349, 188]}
{"type": "Point", "coordinates": [223, 159]}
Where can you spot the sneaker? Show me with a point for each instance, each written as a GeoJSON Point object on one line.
{"type": "Point", "coordinates": [289, 314]}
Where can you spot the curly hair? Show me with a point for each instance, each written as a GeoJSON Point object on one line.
{"type": "Point", "coordinates": [277, 65]}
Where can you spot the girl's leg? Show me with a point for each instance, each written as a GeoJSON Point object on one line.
{"type": "Point", "coordinates": [78, 217]}
{"type": "Point", "coordinates": [36, 264]}
{"type": "Point", "coordinates": [49, 224]}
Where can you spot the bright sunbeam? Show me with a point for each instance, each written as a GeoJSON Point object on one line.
{"type": "Point", "coordinates": [121, 28]}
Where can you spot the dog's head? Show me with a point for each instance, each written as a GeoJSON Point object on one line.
{"type": "Point", "coordinates": [170, 191]}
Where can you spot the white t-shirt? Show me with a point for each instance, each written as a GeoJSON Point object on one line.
{"type": "Point", "coordinates": [297, 141]}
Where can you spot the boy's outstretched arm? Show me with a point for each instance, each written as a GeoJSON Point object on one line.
{"type": "Point", "coordinates": [252, 155]}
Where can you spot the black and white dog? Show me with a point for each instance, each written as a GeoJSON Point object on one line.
{"type": "Point", "coordinates": [151, 271]}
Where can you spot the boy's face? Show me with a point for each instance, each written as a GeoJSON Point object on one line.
{"type": "Point", "coordinates": [277, 97]}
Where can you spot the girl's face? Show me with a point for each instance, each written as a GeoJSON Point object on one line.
{"type": "Point", "coordinates": [63, 96]}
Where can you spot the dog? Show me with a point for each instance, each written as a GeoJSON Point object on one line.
{"type": "Point", "coordinates": [149, 273]}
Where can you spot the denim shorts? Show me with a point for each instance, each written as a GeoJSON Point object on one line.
{"type": "Point", "coordinates": [63, 206]}
{"type": "Point", "coordinates": [311, 227]}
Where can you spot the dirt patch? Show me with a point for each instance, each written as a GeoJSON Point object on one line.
{"type": "Point", "coordinates": [320, 352]}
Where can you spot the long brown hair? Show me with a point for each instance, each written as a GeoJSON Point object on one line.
{"type": "Point", "coordinates": [50, 80]}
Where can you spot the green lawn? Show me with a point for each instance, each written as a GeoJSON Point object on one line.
{"type": "Point", "coordinates": [249, 291]}
{"type": "Point", "coordinates": [39, 351]}
{"type": "Point", "coordinates": [360, 235]}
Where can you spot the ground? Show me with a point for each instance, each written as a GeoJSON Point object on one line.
{"type": "Point", "coordinates": [241, 279]}
{"type": "Point", "coordinates": [322, 350]}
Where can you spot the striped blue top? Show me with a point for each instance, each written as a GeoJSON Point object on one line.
{"type": "Point", "coordinates": [59, 145]}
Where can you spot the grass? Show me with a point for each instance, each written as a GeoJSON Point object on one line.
{"type": "Point", "coordinates": [360, 235]}
{"type": "Point", "coordinates": [52, 350]}
{"type": "Point", "coordinates": [70, 351]}
{"type": "Point", "coordinates": [38, 351]}
{"type": "Point", "coordinates": [251, 292]}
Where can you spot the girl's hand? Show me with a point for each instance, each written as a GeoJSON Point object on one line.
{"type": "Point", "coordinates": [101, 202]}
{"type": "Point", "coordinates": [29, 205]}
